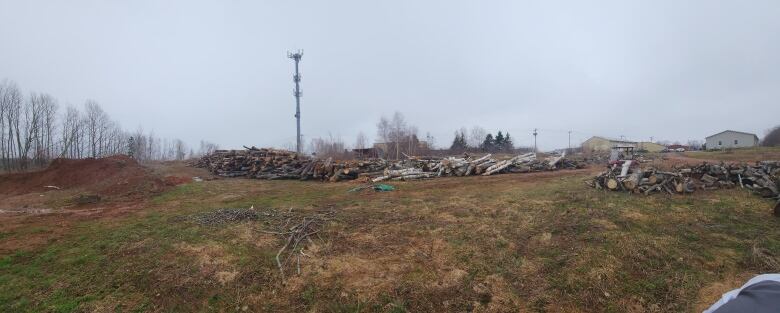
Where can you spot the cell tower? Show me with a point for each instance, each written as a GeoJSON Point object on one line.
{"type": "Point", "coordinates": [297, 93]}
{"type": "Point", "coordinates": [535, 133]}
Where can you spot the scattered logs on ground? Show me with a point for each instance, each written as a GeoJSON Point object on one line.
{"type": "Point", "coordinates": [264, 163]}
{"type": "Point", "coordinates": [416, 168]}
{"type": "Point", "coordinates": [763, 178]}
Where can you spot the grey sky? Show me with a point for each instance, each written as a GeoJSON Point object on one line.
{"type": "Point", "coordinates": [217, 70]}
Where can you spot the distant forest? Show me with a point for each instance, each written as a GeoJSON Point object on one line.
{"type": "Point", "coordinates": [33, 131]}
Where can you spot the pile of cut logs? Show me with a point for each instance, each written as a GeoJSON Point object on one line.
{"type": "Point", "coordinates": [763, 178]}
{"type": "Point", "coordinates": [263, 163]}
{"type": "Point", "coordinates": [416, 168]}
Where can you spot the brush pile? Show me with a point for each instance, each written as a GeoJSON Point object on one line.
{"type": "Point", "coordinates": [280, 164]}
{"type": "Point", "coordinates": [229, 215]}
{"type": "Point", "coordinates": [763, 178]}
{"type": "Point", "coordinates": [298, 236]}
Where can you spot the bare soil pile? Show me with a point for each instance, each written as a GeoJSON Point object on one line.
{"type": "Point", "coordinates": [111, 176]}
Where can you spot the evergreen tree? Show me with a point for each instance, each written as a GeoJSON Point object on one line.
{"type": "Point", "coordinates": [499, 142]}
{"type": "Point", "coordinates": [488, 144]}
{"type": "Point", "coordinates": [130, 147]}
{"type": "Point", "coordinates": [459, 143]}
{"type": "Point", "coordinates": [508, 144]}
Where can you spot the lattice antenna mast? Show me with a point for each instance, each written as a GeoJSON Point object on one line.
{"type": "Point", "coordinates": [296, 56]}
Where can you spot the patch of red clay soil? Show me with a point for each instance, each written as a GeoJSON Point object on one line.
{"type": "Point", "coordinates": [177, 180]}
{"type": "Point", "coordinates": [111, 176]}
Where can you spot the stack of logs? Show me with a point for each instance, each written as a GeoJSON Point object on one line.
{"type": "Point", "coordinates": [264, 163]}
{"type": "Point", "coordinates": [763, 178]}
{"type": "Point", "coordinates": [281, 164]}
{"type": "Point", "coordinates": [466, 166]}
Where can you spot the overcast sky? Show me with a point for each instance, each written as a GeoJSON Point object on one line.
{"type": "Point", "coordinates": [217, 70]}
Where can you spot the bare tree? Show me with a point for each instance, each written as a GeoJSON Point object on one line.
{"type": "Point", "coordinates": [398, 131]}
{"type": "Point", "coordinates": [139, 145]}
{"type": "Point", "coordinates": [383, 129]}
{"type": "Point", "coordinates": [772, 138]}
{"type": "Point", "coordinates": [181, 149]}
{"type": "Point", "coordinates": [695, 144]}
{"type": "Point", "coordinates": [29, 136]}
{"type": "Point", "coordinates": [69, 133]}
{"type": "Point", "coordinates": [115, 139]}
{"type": "Point", "coordinates": [361, 142]}
{"type": "Point", "coordinates": [4, 134]}
{"type": "Point", "coordinates": [32, 130]}
{"type": "Point", "coordinates": [476, 137]}
{"type": "Point", "coordinates": [397, 136]}
{"type": "Point", "coordinates": [12, 101]}
{"type": "Point", "coordinates": [48, 126]}
{"type": "Point", "coordinates": [207, 147]}
{"type": "Point", "coordinates": [329, 147]}
{"type": "Point", "coordinates": [4, 157]}
{"type": "Point", "coordinates": [152, 146]}
{"type": "Point", "coordinates": [94, 122]}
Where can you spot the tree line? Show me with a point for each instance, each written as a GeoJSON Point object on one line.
{"type": "Point", "coordinates": [772, 138]}
{"type": "Point", "coordinates": [395, 138]}
{"type": "Point", "coordinates": [33, 131]}
{"type": "Point", "coordinates": [478, 139]}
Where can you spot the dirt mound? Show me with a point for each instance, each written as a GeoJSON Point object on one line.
{"type": "Point", "coordinates": [110, 176]}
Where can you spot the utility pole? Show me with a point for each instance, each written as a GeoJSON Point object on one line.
{"type": "Point", "coordinates": [297, 93]}
{"type": "Point", "coordinates": [569, 141]}
{"type": "Point", "coordinates": [535, 151]}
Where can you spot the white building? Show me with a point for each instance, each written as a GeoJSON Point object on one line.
{"type": "Point", "coordinates": [731, 139]}
{"type": "Point", "coordinates": [598, 143]}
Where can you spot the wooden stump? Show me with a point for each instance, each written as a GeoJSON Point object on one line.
{"type": "Point", "coordinates": [631, 182]}
{"type": "Point", "coordinates": [612, 184]}
{"type": "Point", "coordinates": [652, 179]}
{"type": "Point", "coordinates": [679, 187]}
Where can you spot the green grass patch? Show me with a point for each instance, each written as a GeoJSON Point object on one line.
{"type": "Point", "coordinates": [535, 246]}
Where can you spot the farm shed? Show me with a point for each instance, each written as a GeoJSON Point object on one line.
{"type": "Point", "coordinates": [731, 139]}
{"type": "Point", "coordinates": [597, 143]}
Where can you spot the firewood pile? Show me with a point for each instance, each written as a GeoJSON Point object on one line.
{"type": "Point", "coordinates": [417, 168]}
{"type": "Point", "coordinates": [763, 178]}
{"type": "Point", "coordinates": [264, 163]}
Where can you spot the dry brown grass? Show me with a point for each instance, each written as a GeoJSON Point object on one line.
{"type": "Point", "coordinates": [541, 243]}
{"type": "Point", "coordinates": [738, 155]}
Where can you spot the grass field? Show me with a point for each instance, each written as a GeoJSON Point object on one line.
{"type": "Point", "coordinates": [537, 242]}
{"type": "Point", "coordinates": [734, 155]}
